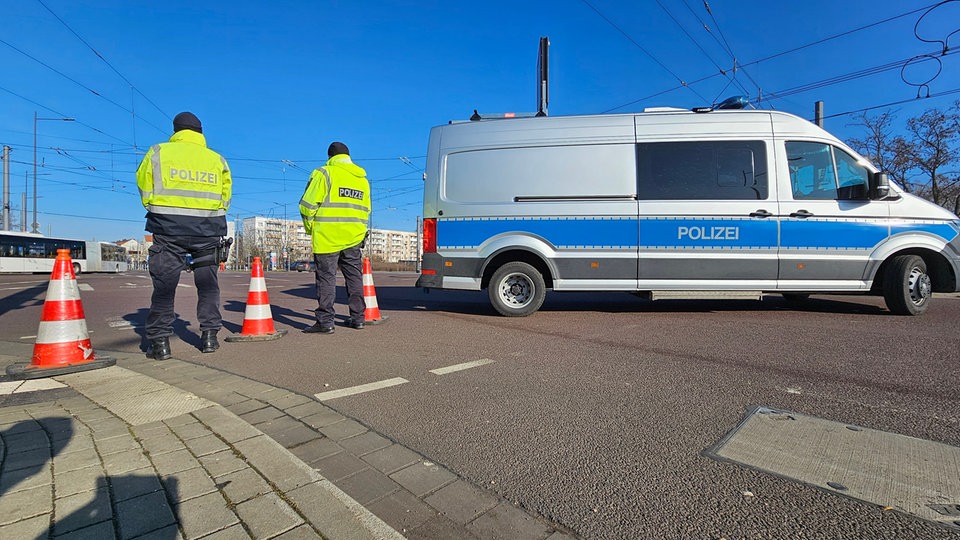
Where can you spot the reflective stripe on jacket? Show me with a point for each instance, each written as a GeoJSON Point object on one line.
{"type": "Point", "coordinates": [183, 177]}
{"type": "Point", "coordinates": [336, 205]}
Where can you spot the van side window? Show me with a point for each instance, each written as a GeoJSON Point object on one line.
{"type": "Point", "coordinates": [730, 170]}
{"type": "Point", "coordinates": [821, 171]}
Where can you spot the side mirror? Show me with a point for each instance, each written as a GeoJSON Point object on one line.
{"type": "Point", "coordinates": [879, 186]}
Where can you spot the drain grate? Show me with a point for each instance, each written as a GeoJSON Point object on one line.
{"type": "Point", "coordinates": [911, 475]}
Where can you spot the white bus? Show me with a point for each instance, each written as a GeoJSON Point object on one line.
{"type": "Point", "coordinates": [27, 252]}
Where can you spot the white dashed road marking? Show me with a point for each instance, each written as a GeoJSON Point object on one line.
{"type": "Point", "coordinates": [461, 367]}
{"type": "Point", "coordinates": [84, 287]}
{"type": "Point", "coordinates": [333, 394]}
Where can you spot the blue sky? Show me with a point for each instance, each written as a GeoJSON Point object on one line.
{"type": "Point", "coordinates": [275, 82]}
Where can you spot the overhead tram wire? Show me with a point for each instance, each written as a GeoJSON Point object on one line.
{"type": "Point", "coordinates": [44, 107]}
{"type": "Point", "coordinates": [776, 55]}
{"type": "Point", "coordinates": [702, 50]}
{"type": "Point", "coordinates": [645, 51]}
{"type": "Point", "coordinates": [891, 104]}
{"type": "Point", "coordinates": [100, 56]}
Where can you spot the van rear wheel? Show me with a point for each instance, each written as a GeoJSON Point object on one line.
{"type": "Point", "coordinates": [907, 288]}
{"type": "Point", "coordinates": [516, 289]}
{"type": "Point", "coordinates": [76, 269]}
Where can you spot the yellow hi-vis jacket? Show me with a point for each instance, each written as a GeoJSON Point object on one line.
{"type": "Point", "coordinates": [336, 205]}
{"type": "Point", "coordinates": [184, 182]}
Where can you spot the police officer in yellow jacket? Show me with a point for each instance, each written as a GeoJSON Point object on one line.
{"type": "Point", "coordinates": [186, 189]}
{"type": "Point", "coordinates": [336, 210]}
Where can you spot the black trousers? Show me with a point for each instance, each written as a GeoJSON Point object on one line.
{"type": "Point", "coordinates": [167, 259]}
{"type": "Point", "coordinates": [348, 261]}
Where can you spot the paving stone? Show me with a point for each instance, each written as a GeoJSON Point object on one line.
{"type": "Point", "coordinates": [162, 445]}
{"type": "Point", "coordinates": [441, 527]}
{"type": "Point", "coordinates": [81, 510]}
{"type": "Point", "coordinates": [181, 420]}
{"type": "Point", "coordinates": [505, 521]}
{"type": "Point", "coordinates": [150, 430]}
{"type": "Point", "coordinates": [25, 442]}
{"type": "Point", "coordinates": [339, 466]}
{"type": "Point", "coordinates": [174, 462]}
{"type": "Point", "coordinates": [190, 484]}
{"type": "Point", "coordinates": [109, 431]}
{"type": "Point", "coordinates": [143, 514]}
{"type": "Point", "coordinates": [260, 416]}
{"type": "Point", "coordinates": [342, 430]}
{"type": "Point", "coordinates": [117, 464]}
{"type": "Point", "coordinates": [35, 527]}
{"type": "Point", "coordinates": [135, 484]}
{"type": "Point", "coordinates": [323, 418]}
{"type": "Point", "coordinates": [78, 481]}
{"type": "Point", "coordinates": [326, 512]}
{"type": "Point", "coordinates": [170, 532]}
{"type": "Point", "coordinates": [222, 463]}
{"type": "Point", "coordinates": [557, 535]}
{"type": "Point", "coordinates": [26, 503]}
{"type": "Point", "coordinates": [272, 393]}
{"type": "Point", "coordinates": [315, 450]}
{"type": "Point", "coordinates": [461, 501]}
{"type": "Point", "coordinates": [209, 444]}
{"type": "Point", "coordinates": [244, 407]}
{"type": "Point", "coordinates": [367, 486]}
{"type": "Point", "coordinates": [235, 532]}
{"type": "Point", "coordinates": [276, 463]}
{"type": "Point", "coordinates": [121, 443]}
{"type": "Point", "coordinates": [268, 515]}
{"type": "Point", "coordinates": [192, 430]}
{"type": "Point", "coordinates": [111, 425]}
{"type": "Point", "coordinates": [205, 515]}
{"type": "Point", "coordinates": [97, 531]}
{"type": "Point", "coordinates": [303, 532]}
{"type": "Point", "coordinates": [289, 400]}
{"type": "Point", "coordinates": [392, 458]}
{"type": "Point", "coordinates": [365, 443]}
{"type": "Point", "coordinates": [402, 511]}
{"type": "Point", "coordinates": [306, 409]}
{"type": "Point", "coordinates": [241, 485]}
{"type": "Point", "coordinates": [24, 479]}
{"type": "Point", "coordinates": [18, 423]}
{"type": "Point", "coordinates": [80, 441]}
{"type": "Point", "coordinates": [227, 426]}
{"type": "Point", "coordinates": [81, 459]}
{"type": "Point", "coordinates": [423, 478]}
{"type": "Point", "coordinates": [31, 459]}
{"type": "Point", "coordinates": [278, 425]}
{"type": "Point", "coordinates": [296, 435]}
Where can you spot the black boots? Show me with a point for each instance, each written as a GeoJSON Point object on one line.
{"type": "Point", "coordinates": [208, 341]}
{"type": "Point", "coordinates": [159, 349]}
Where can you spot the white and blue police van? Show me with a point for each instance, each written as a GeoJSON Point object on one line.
{"type": "Point", "coordinates": [673, 203]}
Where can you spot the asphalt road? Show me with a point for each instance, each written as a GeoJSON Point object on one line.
{"type": "Point", "coordinates": [595, 411]}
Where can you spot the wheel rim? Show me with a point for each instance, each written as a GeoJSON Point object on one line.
{"type": "Point", "coordinates": [919, 285]}
{"type": "Point", "coordinates": [516, 290]}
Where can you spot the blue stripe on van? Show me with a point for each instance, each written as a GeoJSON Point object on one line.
{"type": "Point", "coordinates": [840, 234]}
{"type": "Point", "coordinates": [571, 232]}
{"type": "Point", "coordinates": [947, 231]}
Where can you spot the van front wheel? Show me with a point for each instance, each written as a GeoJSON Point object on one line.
{"type": "Point", "coordinates": [906, 286]}
{"type": "Point", "coordinates": [516, 289]}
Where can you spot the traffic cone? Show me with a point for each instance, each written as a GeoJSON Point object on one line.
{"type": "Point", "coordinates": [257, 319]}
{"type": "Point", "coordinates": [63, 344]}
{"type": "Point", "coordinates": [371, 315]}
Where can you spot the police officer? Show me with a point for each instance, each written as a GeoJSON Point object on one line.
{"type": "Point", "coordinates": [336, 210]}
{"type": "Point", "coordinates": [186, 190]}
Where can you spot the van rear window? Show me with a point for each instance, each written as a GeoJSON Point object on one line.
{"type": "Point", "coordinates": [502, 175]}
{"type": "Point", "coordinates": [725, 170]}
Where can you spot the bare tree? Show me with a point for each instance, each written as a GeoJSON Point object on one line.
{"type": "Point", "coordinates": [933, 151]}
{"type": "Point", "coordinates": [887, 152]}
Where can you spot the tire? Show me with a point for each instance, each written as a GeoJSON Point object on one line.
{"type": "Point", "coordinates": [76, 269]}
{"type": "Point", "coordinates": [516, 290]}
{"type": "Point", "coordinates": [906, 286]}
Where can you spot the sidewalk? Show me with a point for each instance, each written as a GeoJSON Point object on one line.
{"type": "Point", "coordinates": [171, 450]}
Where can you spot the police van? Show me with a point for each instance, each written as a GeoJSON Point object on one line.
{"type": "Point", "coordinates": [674, 203]}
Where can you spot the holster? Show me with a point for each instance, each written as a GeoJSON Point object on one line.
{"type": "Point", "coordinates": [215, 255]}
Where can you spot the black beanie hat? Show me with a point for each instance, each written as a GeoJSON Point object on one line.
{"type": "Point", "coordinates": [186, 120]}
{"type": "Point", "coordinates": [337, 148]}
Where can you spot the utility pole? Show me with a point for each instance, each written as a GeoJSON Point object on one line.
{"type": "Point", "coordinates": [6, 188]}
{"type": "Point", "coordinates": [818, 113]}
{"type": "Point", "coordinates": [36, 226]}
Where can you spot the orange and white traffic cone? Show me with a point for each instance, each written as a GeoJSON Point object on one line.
{"type": "Point", "coordinates": [63, 344]}
{"type": "Point", "coordinates": [257, 319]}
{"type": "Point", "coordinates": [371, 315]}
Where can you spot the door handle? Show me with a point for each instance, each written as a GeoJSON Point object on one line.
{"type": "Point", "coordinates": [760, 213]}
{"type": "Point", "coordinates": [801, 214]}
